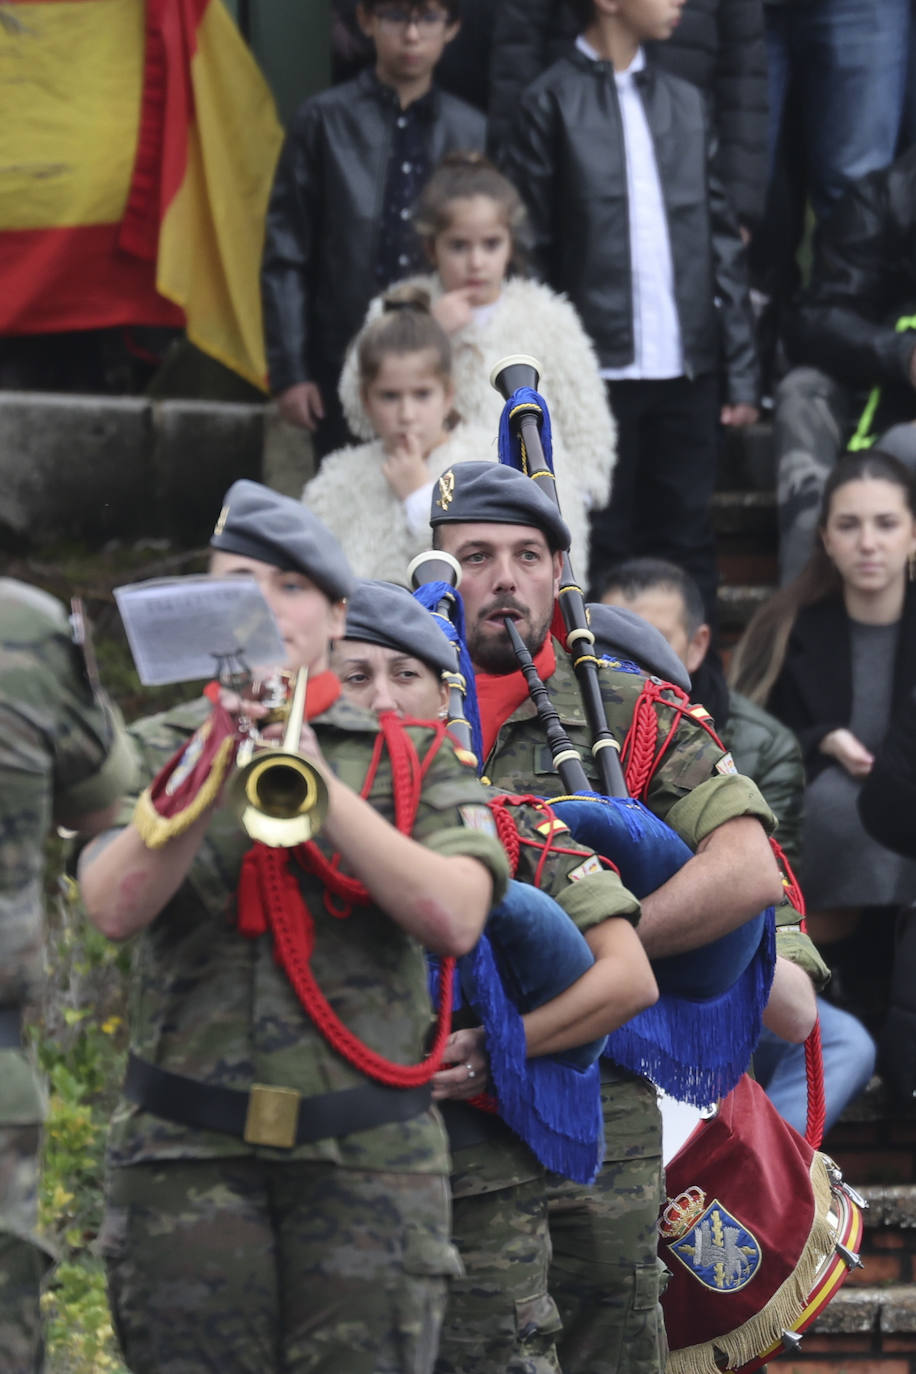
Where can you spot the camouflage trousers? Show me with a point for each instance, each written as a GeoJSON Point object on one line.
{"type": "Point", "coordinates": [604, 1275]}
{"type": "Point", "coordinates": [23, 1260]}
{"type": "Point", "coordinates": [243, 1266]}
{"type": "Point", "coordinates": [500, 1319]}
{"type": "Point", "coordinates": [812, 423]}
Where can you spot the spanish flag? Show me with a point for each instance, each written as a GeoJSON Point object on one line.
{"type": "Point", "coordinates": [137, 149]}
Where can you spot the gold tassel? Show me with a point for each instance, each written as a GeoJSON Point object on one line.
{"type": "Point", "coordinates": [784, 1308]}
{"type": "Point", "coordinates": [155, 830]}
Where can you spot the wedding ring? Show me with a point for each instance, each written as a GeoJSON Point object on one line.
{"type": "Point", "coordinates": [470, 1069]}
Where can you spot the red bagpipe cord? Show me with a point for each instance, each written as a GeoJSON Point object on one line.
{"type": "Point", "coordinates": [269, 897]}
{"type": "Point", "coordinates": [641, 759]}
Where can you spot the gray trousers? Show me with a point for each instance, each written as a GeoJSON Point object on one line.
{"type": "Point", "coordinates": [812, 421]}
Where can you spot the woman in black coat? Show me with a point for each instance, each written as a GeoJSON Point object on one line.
{"type": "Point", "coordinates": [833, 655]}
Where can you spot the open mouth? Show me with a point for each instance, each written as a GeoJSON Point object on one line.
{"type": "Point", "coordinates": [498, 617]}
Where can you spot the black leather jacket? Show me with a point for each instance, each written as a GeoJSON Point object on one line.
{"type": "Point", "coordinates": [718, 45]}
{"type": "Point", "coordinates": [318, 268]}
{"type": "Point", "coordinates": [566, 156]}
{"type": "Point", "coordinates": [863, 278]}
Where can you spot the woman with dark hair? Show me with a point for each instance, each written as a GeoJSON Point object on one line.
{"type": "Point", "coordinates": [833, 655]}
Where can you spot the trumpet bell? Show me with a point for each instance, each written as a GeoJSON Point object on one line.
{"type": "Point", "coordinates": [281, 799]}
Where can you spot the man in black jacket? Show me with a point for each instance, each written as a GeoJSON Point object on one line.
{"type": "Point", "coordinates": [644, 243]}
{"type": "Point", "coordinates": [854, 334]}
{"type": "Point", "coordinates": [338, 224]}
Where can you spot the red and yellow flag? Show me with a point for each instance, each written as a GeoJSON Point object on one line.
{"type": "Point", "coordinates": [137, 150]}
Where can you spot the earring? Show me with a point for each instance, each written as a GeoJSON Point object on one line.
{"type": "Point", "coordinates": [443, 713]}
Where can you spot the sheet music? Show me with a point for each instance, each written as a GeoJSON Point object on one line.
{"type": "Point", "coordinates": [183, 629]}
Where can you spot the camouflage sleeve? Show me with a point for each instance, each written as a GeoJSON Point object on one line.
{"type": "Point", "coordinates": [793, 944]}
{"type": "Point", "coordinates": [572, 874]}
{"type": "Point", "coordinates": [713, 802]}
{"type": "Point", "coordinates": [45, 689]}
{"type": "Point", "coordinates": [453, 816]}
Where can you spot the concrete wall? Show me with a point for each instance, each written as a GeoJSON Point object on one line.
{"type": "Point", "coordinates": [96, 468]}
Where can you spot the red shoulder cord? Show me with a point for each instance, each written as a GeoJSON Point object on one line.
{"type": "Point", "coordinates": [641, 761]}
{"type": "Point", "coordinates": [269, 896]}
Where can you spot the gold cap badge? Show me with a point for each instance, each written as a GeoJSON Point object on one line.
{"type": "Point", "coordinates": [221, 522]}
{"type": "Point", "coordinates": [446, 490]}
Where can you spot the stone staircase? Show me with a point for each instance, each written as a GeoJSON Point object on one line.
{"type": "Point", "coordinates": [744, 518]}
{"type": "Point", "coordinates": [870, 1326]}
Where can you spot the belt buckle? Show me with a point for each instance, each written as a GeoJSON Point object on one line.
{"type": "Point", "coordinates": [272, 1116]}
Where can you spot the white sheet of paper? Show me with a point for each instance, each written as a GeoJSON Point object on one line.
{"type": "Point", "coordinates": [182, 629]}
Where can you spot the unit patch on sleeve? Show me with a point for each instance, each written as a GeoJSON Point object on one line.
{"type": "Point", "coordinates": [591, 865]}
{"type": "Point", "coordinates": [478, 818]}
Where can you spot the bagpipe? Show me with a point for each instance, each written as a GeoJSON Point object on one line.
{"type": "Point", "coordinates": [759, 1230]}
{"type": "Point", "coordinates": [697, 1040]}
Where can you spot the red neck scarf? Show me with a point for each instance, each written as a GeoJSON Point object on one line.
{"type": "Point", "coordinates": [321, 693]}
{"type": "Point", "coordinates": [498, 695]}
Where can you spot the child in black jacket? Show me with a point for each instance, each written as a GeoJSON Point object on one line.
{"type": "Point", "coordinates": [613, 157]}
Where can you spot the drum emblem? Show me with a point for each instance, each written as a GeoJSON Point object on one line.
{"type": "Point", "coordinates": [718, 1251]}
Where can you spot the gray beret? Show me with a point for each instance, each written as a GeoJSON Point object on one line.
{"type": "Point", "coordinates": [384, 613]}
{"type": "Point", "coordinates": [622, 633]}
{"type": "Point", "coordinates": [259, 523]}
{"type": "Point", "coordinates": [493, 494]}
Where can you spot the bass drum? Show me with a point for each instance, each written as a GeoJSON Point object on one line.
{"type": "Point", "coordinates": [759, 1232]}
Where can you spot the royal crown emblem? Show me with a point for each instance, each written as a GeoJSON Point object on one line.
{"type": "Point", "coordinates": [446, 490]}
{"type": "Point", "coordinates": [716, 1249]}
{"type": "Point", "coordinates": [681, 1213]}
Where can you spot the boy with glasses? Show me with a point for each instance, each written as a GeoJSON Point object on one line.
{"type": "Point", "coordinates": [338, 225]}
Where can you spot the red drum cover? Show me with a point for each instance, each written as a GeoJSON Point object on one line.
{"type": "Point", "coordinates": [750, 1227]}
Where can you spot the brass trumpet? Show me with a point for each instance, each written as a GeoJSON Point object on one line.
{"type": "Point", "coordinates": [280, 797]}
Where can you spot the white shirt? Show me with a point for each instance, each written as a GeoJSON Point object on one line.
{"type": "Point", "coordinates": [657, 348]}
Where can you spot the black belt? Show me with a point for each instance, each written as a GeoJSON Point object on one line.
{"type": "Point", "coordinates": [10, 1028]}
{"type": "Point", "coordinates": [469, 1126]}
{"type": "Point", "coordinates": [269, 1115]}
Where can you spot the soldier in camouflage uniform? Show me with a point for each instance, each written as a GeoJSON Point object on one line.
{"type": "Point", "coordinates": [63, 758]}
{"type": "Point", "coordinates": [500, 1317]}
{"type": "Point", "coordinates": [271, 1206]}
{"type": "Point", "coordinates": [507, 536]}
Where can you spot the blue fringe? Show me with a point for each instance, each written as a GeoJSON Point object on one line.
{"type": "Point", "coordinates": [509, 444]}
{"type": "Point", "coordinates": [555, 1109]}
{"type": "Point", "coordinates": [429, 597]}
{"type": "Point", "coordinates": [697, 1050]}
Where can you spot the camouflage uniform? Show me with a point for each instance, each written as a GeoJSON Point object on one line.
{"type": "Point", "coordinates": [604, 1275]}
{"type": "Point", "coordinates": [501, 1318]}
{"type": "Point", "coordinates": [331, 1255]}
{"type": "Point", "coordinates": [59, 751]}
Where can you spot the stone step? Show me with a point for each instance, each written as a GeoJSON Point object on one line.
{"type": "Point", "coordinates": [858, 1309]}
{"type": "Point", "coordinates": [747, 458]}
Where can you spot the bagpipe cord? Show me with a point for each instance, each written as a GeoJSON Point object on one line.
{"type": "Point", "coordinates": [269, 897]}
{"type": "Point", "coordinates": [641, 759]}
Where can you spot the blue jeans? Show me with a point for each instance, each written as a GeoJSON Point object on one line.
{"type": "Point", "coordinates": [849, 1062]}
{"type": "Point", "coordinates": [850, 57]}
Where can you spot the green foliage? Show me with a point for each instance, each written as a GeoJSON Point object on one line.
{"type": "Point", "coordinates": [80, 1045]}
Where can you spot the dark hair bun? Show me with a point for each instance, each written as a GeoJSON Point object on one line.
{"type": "Point", "coordinates": [406, 297]}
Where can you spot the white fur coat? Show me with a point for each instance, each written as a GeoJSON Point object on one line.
{"type": "Point", "coordinates": [528, 318]}
{"type": "Point", "coordinates": [350, 494]}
